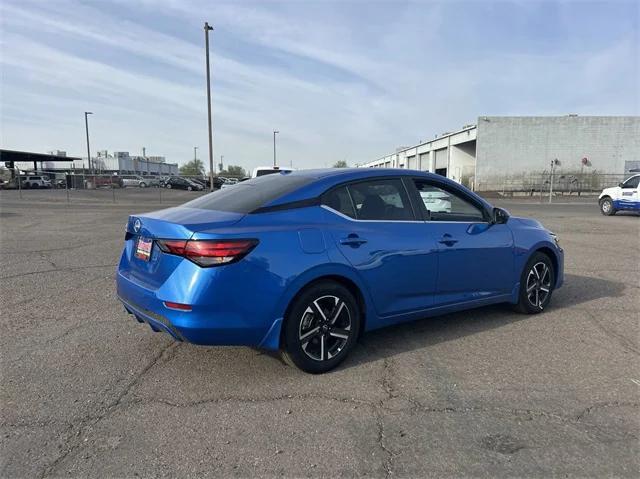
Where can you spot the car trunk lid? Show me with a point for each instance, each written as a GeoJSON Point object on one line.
{"type": "Point", "coordinates": [144, 261]}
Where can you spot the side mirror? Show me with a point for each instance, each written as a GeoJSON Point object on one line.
{"type": "Point", "coordinates": [620, 184]}
{"type": "Point", "coordinates": [500, 216]}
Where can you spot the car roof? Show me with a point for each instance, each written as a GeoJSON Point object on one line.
{"type": "Point", "coordinates": [323, 179]}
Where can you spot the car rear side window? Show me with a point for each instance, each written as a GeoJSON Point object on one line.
{"type": "Point", "coordinates": [248, 196]}
{"type": "Point", "coordinates": [339, 200]}
{"type": "Point", "coordinates": [383, 200]}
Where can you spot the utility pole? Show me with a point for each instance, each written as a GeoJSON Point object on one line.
{"type": "Point", "coordinates": [207, 27]}
{"type": "Point", "coordinates": [86, 128]}
{"type": "Point", "coordinates": [553, 165]}
{"type": "Point", "coordinates": [195, 156]}
{"type": "Point", "coordinates": [274, 147]}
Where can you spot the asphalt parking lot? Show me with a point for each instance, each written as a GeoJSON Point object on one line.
{"type": "Point", "coordinates": [89, 392]}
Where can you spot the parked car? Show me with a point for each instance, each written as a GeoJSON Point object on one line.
{"type": "Point", "coordinates": [134, 180]}
{"type": "Point", "coordinates": [152, 181]}
{"type": "Point", "coordinates": [201, 181]}
{"type": "Point", "coordinates": [624, 197]}
{"type": "Point", "coordinates": [36, 181]}
{"type": "Point", "coordinates": [269, 170]}
{"type": "Point", "coordinates": [206, 182]}
{"type": "Point", "coordinates": [304, 262]}
{"type": "Point", "coordinates": [180, 183]}
{"type": "Point", "coordinates": [229, 182]}
{"type": "Point", "coordinates": [106, 181]}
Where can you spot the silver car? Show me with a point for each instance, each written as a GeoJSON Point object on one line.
{"type": "Point", "coordinates": [134, 180]}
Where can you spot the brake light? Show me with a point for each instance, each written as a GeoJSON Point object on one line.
{"type": "Point", "coordinates": [209, 252]}
{"type": "Point", "coordinates": [176, 247]}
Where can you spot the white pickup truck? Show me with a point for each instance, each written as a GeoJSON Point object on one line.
{"type": "Point", "coordinates": [623, 197]}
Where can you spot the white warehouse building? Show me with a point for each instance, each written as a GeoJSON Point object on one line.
{"type": "Point", "coordinates": [516, 153]}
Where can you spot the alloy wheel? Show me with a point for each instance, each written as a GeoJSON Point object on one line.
{"type": "Point", "coordinates": [538, 285]}
{"type": "Point", "coordinates": [325, 328]}
{"type": "Point", "coordinates": [606, 206]}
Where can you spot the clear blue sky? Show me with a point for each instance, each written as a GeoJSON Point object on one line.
{"type": "Point", "coordinates": [340, 80]}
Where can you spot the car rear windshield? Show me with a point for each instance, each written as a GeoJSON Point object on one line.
{"type": "Point", "coordinates": [249, 195]}
{"type": "Point", "coordinates": [265, 172]}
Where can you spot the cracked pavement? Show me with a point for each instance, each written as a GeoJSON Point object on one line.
{"type": "Point", "coordinates": [89, 392]}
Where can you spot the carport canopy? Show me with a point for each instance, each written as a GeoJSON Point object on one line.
{"type": "Point", "coordinates": [10, 157]}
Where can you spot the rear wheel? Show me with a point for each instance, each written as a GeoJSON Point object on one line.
{"type": "Point", "coordinates": [189, 188]}
{"type": "Point", "coordinates": [321, 327]}
{"type": "Point", "coordinates": [536, 284]}
{"type": "Point", "coordinates": [169, 186]}
{"type": "Point", "coordinates": [143, 185]}
{"type": "Point", "coordinates": [606, 207]}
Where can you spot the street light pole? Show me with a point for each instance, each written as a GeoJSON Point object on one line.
{"type": "Point", "coordinates": [86, 128]}
{"type": "Point", "coordinates": [207, 27]}
{"type": "Point", "coordinates": [274, 147]}
{"type": "Point", "coordinates": [195, 157]}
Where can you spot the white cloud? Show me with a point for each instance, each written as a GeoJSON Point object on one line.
{"type": "Point", "coordinates": [359, 82]}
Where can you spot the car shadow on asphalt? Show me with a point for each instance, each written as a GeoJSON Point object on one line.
{"type": "Point", "coordinates": [406, 337]}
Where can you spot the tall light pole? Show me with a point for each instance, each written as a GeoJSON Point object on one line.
{"type": "Point", "coordinates": [207, 27]}
{"type": "Point", "coordinates": [195, 156]}
{"type": "Point", "coordinates": [86, 128]}
{"type": "Point", "coordinates": [274, 147]}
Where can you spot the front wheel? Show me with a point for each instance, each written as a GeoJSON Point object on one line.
{"type": "Point", "coordinates": [321, 327]}
{"type": "Point", "coordinates": [143, 185]}
{"type": "Point", "coordinates": [606, 207]}
{"type": "Point", "coordinates": [169, 187]}
{"type": "Point", "coordinates": [189, 188]}
{"type": "Point", "coordinates": [536, 284]}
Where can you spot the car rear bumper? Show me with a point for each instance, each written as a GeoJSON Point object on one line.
{"type": "Point", "coordinates": [201, 325]}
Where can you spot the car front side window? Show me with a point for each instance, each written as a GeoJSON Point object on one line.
{"type": "Point", "coordinates": [631, 182]}
{"type": "Point", "coordinates": [444, 204]}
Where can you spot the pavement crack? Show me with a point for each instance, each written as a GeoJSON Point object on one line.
{"type": "Point", "coordinates": [75, 442]}
{"type": "Point", "coordinates": [603, 405]}
{"type": "Point", "coordinates": [387, 386]}
{"type": "Point", "coordinates": [60, 270]}
{"type": "Point", "coordinates": [622, 340]}
{"type": "Point", "coordinates": [241, 399]}
{"type": "Point", "coordinates": [387, 463]}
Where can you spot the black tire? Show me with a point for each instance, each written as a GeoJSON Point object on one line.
{"type": "Point", "coordinates": [536, 284]}
{"type": "Point", "coordinates": [606, 206]}
{"type": "Point", "coordinates": [321, 327]}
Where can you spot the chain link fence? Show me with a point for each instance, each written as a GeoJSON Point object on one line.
{"type": "Point", "coordinates": [83, 186]}
{"type": "Point", "coordinates": [541, 184]}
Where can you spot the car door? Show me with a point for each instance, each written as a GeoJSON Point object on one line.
{"type": "Point", "coordinates": [376, 229]}
{"type": "Point", "coordinates": [475, 257]}
{"type": "Point", "coordinates": [629, 199]}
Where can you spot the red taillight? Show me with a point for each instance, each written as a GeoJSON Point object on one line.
{"type": "Point", "coordinates": [173, 246]}
{"type": "Point", "coordinates": [177, 306]}
{"type": "Point", "coordinates": [209, 252]}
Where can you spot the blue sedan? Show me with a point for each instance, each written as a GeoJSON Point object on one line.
{"type": "Point", "coordinates": [304, 262]}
